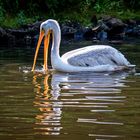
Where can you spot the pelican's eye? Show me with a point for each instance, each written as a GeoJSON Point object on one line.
{"type": "Point", "coordinates": [43, 30]}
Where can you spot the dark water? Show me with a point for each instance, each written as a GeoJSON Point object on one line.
{"type": "Point", "coordinates": [67, 106]}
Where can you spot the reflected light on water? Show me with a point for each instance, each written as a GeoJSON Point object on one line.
{"type": "Point", "coordinates": [48, 121]}
{"type": "Point", "coordinates": [98, 93]}
{"type": "Point", "coordinates": [67, 106]}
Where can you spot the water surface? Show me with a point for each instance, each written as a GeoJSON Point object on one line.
{"type": "Point", "coordinates": [65, 106]}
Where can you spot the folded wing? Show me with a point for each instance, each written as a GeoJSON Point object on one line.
{"type": "Point", "coordinates": [94, 56]}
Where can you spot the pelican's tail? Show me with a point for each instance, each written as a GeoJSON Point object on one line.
{"type": "Point", "coordinates": [131, 66]}
{"type": "Point", "coordinates": [128, 67]}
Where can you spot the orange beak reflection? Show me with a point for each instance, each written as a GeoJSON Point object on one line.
{"type": "Point", "coordinates": [46, 44]}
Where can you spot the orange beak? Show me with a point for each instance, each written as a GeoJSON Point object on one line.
{"type": "Point", "coordinates": [46, 44]}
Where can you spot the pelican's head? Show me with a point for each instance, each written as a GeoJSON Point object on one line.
{"type": "Point", "coordinates": [49, 24]}
{"type": "Point", "coordinates": [46, 28]}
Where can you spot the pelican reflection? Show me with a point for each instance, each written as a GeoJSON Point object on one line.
{"type": "Point", "coordinates": [97, 92]}
{"type": "Point", "coordinates": [49, 118]}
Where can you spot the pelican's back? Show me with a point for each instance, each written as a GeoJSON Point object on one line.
{"type": "Point", "coordinates": [95, 55]}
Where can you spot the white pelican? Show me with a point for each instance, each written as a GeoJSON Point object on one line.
{"type": "Point", "coordinates": [96, 58]}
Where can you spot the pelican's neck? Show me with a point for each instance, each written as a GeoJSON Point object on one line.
{"type": "Point", "coordinates": [56, 38]}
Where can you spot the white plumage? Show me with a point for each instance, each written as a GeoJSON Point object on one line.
{"type": "Point", "coordinates": [95, 55]}
{"type": "Point", "coordinates": [95, 58]}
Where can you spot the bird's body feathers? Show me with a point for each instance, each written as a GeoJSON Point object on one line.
{"type": "Point", "coordinates": [95, 55]}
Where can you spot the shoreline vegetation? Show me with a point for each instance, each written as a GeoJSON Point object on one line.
{"type": "Point", "coordinates": [97, 20]}
{"type": "Point", "coordinates": [18, 13]}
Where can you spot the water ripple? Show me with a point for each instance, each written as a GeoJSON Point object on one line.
{"type": "Point", "coordinates": [96, 93]}
{"type": "Point", "coordinates": [98, 105]}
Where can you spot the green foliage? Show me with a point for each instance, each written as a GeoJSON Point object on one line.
{"type": "Point", "coordinates": [2, 12]}
{"type": "Point", "coordinates": [21, 18]}
{"type": "Point", "coordinates": [106, 5]}
{"type": "Point", "coordinates": [24, 12]}
{"type": "Point", "coordinates": [53, 6]}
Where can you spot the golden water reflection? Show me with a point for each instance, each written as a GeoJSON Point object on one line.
{"type": "Point", "coordinates": [49, 118]}
{"type": "Point", "coordinates": [96, 95]}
